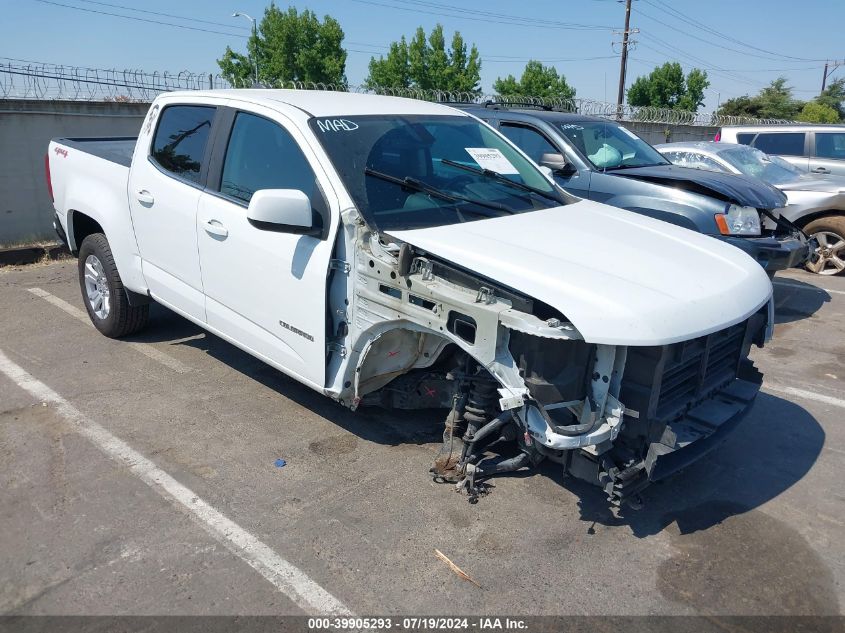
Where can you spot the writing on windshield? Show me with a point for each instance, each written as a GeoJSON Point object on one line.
{"type": "Point", "coordinates": [418, 171]}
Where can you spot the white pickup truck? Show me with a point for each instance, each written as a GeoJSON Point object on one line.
{"type": "Point", "coordinates": [403, 254]}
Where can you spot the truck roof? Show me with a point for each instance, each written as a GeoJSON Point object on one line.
{"type": "Point", "coordinates": [323, 102]}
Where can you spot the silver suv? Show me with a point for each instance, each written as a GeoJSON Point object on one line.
{"type": "Point", "coordinates": [819, 149]}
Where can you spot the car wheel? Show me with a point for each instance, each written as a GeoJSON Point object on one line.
{"type": "Point", "coordinates": [103, 293]}
{"type": "Point", "coordinates": [829, 258]}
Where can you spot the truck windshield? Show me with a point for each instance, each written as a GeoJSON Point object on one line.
{"type": "Point", "coordinates": [608, 145]}
{"type": "Point", "coordinates": [753, 162]}
{"type": "Point", "coordinates": [417, 171]}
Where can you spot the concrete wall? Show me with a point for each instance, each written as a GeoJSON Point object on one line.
{"type": "Point", "coordinates": [656, 133]}
{"type": "Point", "coordinates": [26, 127]}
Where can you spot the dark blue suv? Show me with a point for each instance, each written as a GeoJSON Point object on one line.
{"type": "Point", "coordinates": [602, 160]}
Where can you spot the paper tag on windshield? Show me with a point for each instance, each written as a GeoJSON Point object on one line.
{"type": "Point", "coordinates": [492, 159]}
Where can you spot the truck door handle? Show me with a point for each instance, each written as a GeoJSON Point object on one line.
{"type": "Point", "coordinates": [213, 227]}
{"type": "Point", "coordinates": [145, 197]}
{"type": "Point", "coordinates": [821, 170]}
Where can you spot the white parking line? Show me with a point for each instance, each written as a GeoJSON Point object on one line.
{"type": "Point", "coordinates": [286, 577]}
{"type": "Point", "coordinates": [807, 395]}
{"type": "Point", "coordinates": [143, 348]}
{"type": "Point", "coordinates": [778, 282]}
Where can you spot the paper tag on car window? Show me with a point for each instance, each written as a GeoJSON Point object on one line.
{"type": "Point", "coordinates": [628, 132]}
{"type": "Point", "coordinates": [492, 159]}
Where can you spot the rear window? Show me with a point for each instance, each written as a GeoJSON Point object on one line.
{"type": "Point", "coordinates": [180, 139]}
{"type": "Point", "coordinates": [783, 143]}
{"type": "Point", "coordinates": [830, 145]}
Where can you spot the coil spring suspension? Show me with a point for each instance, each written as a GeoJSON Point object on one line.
{"type": "Point", "coordinates": [481, 402]}
{"type": "Point", "coordinates": [473, 407]}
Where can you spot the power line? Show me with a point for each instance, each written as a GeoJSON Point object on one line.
{"type": "Point", "coordinates": [167, 15]}
{"type": "Point", "coordinates": [727, 75]}
{"type": "Point", "coordinates": [652, 62]}
{"type": "Point", "coordinates": [705, 40]}
{"type": "Point", "coordinates": [510, 20]}
{"type": "Point", "coordinates": [488, 60]}
{"type": "Point", "coordinates": [697, 24]}
{"type": "Point", "coordinates": [137, 19]}
{"type": "Point", "coordinates": [739, 70]}
{"type": "Point", "coordinates": [697, 60]}
{"type": "Point", "coordinates": [716, 70]}
{"type": "Point", "coordinates": [493, 59]}
{"type": "Point", "coordinates": [505, 16]}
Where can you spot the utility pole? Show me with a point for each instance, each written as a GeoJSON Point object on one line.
{"type": "Point", "coordinates": [624, 61]}
{"type": "Point", "coordinates": [824, 76]}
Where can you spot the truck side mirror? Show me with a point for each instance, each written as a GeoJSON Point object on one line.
{"type": "Point", "coordinates": [557, 163]}
{"type": "Point", "coordinates": [282, 210]}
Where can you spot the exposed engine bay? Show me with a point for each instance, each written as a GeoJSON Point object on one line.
{"type": "Point", "coordinates": [520, 383]}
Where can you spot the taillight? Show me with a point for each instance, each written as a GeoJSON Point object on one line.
{"type": "Point", "coordinates": [718, 136]}
{"type": "Point", "coordinates": [47, 175]}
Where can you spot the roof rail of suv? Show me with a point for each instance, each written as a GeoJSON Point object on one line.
{"type": "Point", "coordinates": [504, 104]}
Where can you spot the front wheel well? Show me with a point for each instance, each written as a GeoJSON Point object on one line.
{"type": "Point", "coordinates": [805, 220]}
{"type": "Point", "coordinates": [81, 227]}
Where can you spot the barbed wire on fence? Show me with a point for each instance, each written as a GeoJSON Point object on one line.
{"type": "Point", "coordinates": [21, 79]}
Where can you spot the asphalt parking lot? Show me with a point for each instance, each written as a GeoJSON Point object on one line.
{"type": "Point", "coordinates": [100, 439]}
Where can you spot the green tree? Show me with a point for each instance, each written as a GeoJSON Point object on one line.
{"type": "Point", "coordinates": [775, 101]}
{"type": "Point", "coordinates": [289, 46]}
{"type": "Point", "coordinates": [815, 112]}
{"type": "Point", "coordinates": [393, 71]}
{"type": "Point", "coordinates": [696, 84]}
{"type": "Point", "coordinates": [833, 96]}
{"type": "Point", "coordinates": [667, 87]}
{"type": "Point", "coordinates": [426, 63]}
{"type": "Point", "coordinates": [537, 80]}
{"type": "Point", "coordinates": [740, 106]}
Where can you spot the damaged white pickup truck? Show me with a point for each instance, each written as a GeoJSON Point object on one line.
{"type": "Point", "coordinates": [398, 253]}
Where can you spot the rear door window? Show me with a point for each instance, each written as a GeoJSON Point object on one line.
{"type": "Point", "coordinates": [830, 145]}
{"type": "Point", "coordinates": [781, 143]}
{"type": "Point", "coordinates": [180, 139]}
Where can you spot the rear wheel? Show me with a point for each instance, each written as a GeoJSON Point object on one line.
{"type": "Point", "coordinates": [103, 293]}
{"type": "Point", "coordinates": [829, 258]}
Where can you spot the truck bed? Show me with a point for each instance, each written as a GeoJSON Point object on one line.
{"type": "Point", "coordinates": [116, 149]}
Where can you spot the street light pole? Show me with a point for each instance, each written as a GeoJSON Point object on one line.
{"type": "Point", "coordinates": [238, 14]}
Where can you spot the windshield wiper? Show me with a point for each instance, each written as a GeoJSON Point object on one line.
{"type": "Point", "coordinates": [634, 166]}
{"type": "Point", "coordinates": [501, 178]}
{"type": "Point", "coordinates": [434, 192]}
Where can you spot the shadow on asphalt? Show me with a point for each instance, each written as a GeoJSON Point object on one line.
{"type": "Point", "coordinates": [771, 450]}
{"type": "Point", "coordinates": [368, 423]}
{"type": "Point", "coordinates": [798, 300]}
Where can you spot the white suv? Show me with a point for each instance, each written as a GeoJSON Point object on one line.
{"type": "Point", "coordinates": [819, 149]}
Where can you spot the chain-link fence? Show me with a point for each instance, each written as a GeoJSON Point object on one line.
{"type": "Point", "coordinates": [20, 79]}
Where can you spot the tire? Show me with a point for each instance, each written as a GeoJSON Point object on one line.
{"type": "Point", "coordinates": [830, 233]}
{"type": "Point", "coordinates": [103, 293]}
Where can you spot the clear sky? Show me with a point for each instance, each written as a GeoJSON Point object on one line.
{"type": "Point", "coordinates": [743, 44]}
